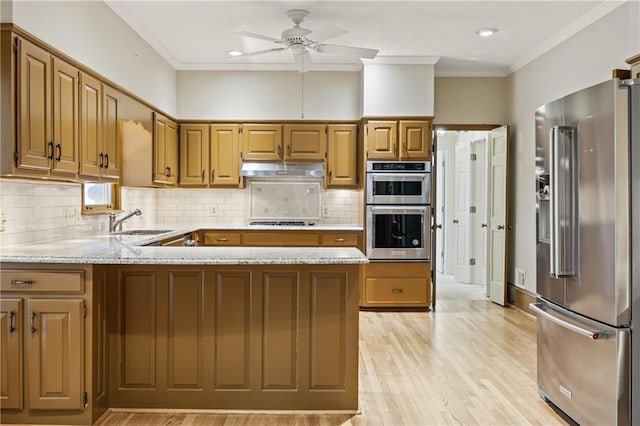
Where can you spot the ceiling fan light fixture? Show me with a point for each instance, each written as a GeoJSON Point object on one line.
{"type": "Point", "coordinates": [486, 32]}
{"type": "Point", "coordinates": [234, 53]}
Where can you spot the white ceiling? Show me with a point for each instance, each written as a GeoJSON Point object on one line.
{"type": "Point", "coordinates": [197, 34]}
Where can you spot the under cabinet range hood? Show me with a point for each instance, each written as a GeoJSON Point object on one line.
{"type": "Point", "coordinates": [270, 170]}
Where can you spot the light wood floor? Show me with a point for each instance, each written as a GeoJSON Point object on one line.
{"type": "Point", "coordinates": [470, 362]}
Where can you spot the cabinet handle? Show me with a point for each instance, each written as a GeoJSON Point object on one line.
{"type": "Point", "coordinates": [288, 151]}
{"type": "Point", "coordinates": [404, 148]}
{"type": "Point", "coordinates": [396, 290]}
{"type": "Point", "coordinates": [167, 171]}
{"type": "Point", "coordinates": [213, 174]}
{"type": "Point", "coordinates": [222, 239]}
{"type": "Point", "coordinates": [330, 175]}
{"type": "Point", "coordinates": [202, 175]}
{"type": "Point", "coordinates": [339, 240]}
{"type": "Point", "coordinates": [12, 316]}
{"type": "Point", "coordinates": [33, 323]}
{"type": "Point", "coordinates": [20, 282]}
{"type": "Point", "coordinates": [279, 151]}
{"type": "Point", "coordinates": [101, 160]}
{"type": "Point", "coordinates": [59, 152]}
{"type": "Point", "coordinates": [50, 156]}
{"type": "Point", "coordinates": [106, 161]}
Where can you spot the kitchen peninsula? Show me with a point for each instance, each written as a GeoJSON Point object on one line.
{"type": "Point", "coordinates": [112, 321]}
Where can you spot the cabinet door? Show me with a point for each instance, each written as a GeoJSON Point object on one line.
{"type": "Point", "coordinates": [381, 140]}
{"type": "Point", "coordinates": [342, 155]}
{"type": "Point", "coordinates": [91, 156]}
{"type": "Point", "coordinates": [194, 154]}
{"type": "Point", "coordinates": [225, 155]}
{"type": "Point", "coordinates": [111, 145]}
{"type": "Point", "coordinates": [262, 141]}
{"type": "Point", "coordinates": [165, 150]}
{"type": "Point", "coordinates": [11, 329]}
{"type": "Point", "coordinates": [65, 117]}
{"type": "Point", "coordinates": [415, 140]}
{"type": "Point", "coordinates": [55, 348]}
{"type": "Point", "coordinates": [172, 151]}
{"type": "Point", "coordinates": [305, 142]}
{"type": "Point", "coordinates": [35, 145]}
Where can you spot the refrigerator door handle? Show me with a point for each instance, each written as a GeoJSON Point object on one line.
{"type": "Point", "coordinates": [563, 200]}
{"type": "Point", "coordinates": [540, 309]}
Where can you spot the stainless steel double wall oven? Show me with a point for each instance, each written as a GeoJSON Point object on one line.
{"type": "Point", "coordinates": [398, 210]}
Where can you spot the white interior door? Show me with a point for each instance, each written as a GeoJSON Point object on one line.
{"type": "Point", "coordinates": [479, 202]}
{"type": "Point", "coordinates": [439, 212]}
{"type": "Point", "coordinates": [497, 214]}
{"type": "Point", "coordinates": [461, 220]}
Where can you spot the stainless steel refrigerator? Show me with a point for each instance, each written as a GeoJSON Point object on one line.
{"type": "Point", "coordinates": [588, 253]}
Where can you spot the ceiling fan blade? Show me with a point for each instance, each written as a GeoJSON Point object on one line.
{"type": "Point", "coordinates": [260, 36]}
{"type": "Point", "coordinates": [326, 33]}
{"type": "Point", "coordinates": [334, 49]}
{"type": "Point", "coordinates": [259, 52]}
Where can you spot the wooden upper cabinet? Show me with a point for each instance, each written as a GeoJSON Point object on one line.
{"type": "Point", "coordinates": [194, 154]}
{"type": "Point", "coordinates": [305, 142]}
{"type": "Point", "coordinates": [262, 142]}
{"type": "Point", "coordinates": [47, 112]}
{"type": "Point", "coordinates": [111, 144]}
{"type": "Point", "coordinates": [382, 140]}
{"type": "Point", "coordinates": [92, 158]}
{"type": "Point", "coordinates": [399, 140]}
{"type": "Point", "coordinates": [165, 150]}
{"type": "Point", "coordinates": [65, 117]}
{"type": "Point", "coordinates": [415, 139]}
{"type": "Point", "coordinates": [225, 155]}
{"type": "Point", "coordinates": [342, 155]}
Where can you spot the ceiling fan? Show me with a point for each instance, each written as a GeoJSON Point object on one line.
{"type": "Point", "coordinates": [301, 41]}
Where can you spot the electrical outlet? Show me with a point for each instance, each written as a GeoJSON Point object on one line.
{"type": "Point", "coordinates": [214, 210]}
{"type": "Point", "coordinates": [325, 212]}
{"type": "Point", "coordinates": [2, 220]}
{"type": "Point", "coordinates": [520, 278]}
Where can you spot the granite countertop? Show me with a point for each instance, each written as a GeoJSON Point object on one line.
{"type": "Point", "coordinates": [133, 249]}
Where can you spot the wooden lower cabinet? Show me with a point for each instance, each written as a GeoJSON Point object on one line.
{"type": "Point", "coordinates": [281, 238]}
{"type": "Point", "coordinates": [281, 337]}
{"type": "Point", "coordinates": [396, 285]}
{"type": "Point", "coordinates": [52, 345]}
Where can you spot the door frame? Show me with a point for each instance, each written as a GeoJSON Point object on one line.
{"type": "Point", "coordinates": [434, 163]}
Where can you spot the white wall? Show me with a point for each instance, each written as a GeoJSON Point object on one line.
{"type": "Point", "coordinates": [583, 60]}
{"type": "Point", "coordinates": [392, 89]}
{"type": "Point", "coordinates": [268, 95]}
{"type": "Point", "coordinates": [89, 32]}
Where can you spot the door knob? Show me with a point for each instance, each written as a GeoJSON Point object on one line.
{"type": "Point", "coordinates": [500, 227]}
{"type": "Point", "coordinates": [455, 220]}
{"type": "Point", "coordinates": [439, 226]}
{"type": "Point", "coordinates": [484, 225]}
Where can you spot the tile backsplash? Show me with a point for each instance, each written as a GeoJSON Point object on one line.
{"type": "Point", "coordinates": [40, 210]}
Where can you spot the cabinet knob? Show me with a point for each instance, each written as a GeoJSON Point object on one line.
{"type": "Point", "coordinates": [396, 290]}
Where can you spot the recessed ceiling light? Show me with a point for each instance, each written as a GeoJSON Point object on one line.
{"type": "Point", "coordinates": [486, 32]}
{"type": "Point", "coordinates": [234, 53]}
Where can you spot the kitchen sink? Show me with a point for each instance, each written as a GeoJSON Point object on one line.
{"type": "Point", "coordinates": [142, 232]}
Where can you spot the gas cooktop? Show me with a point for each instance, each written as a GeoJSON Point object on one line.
{"type": "Point", "coordinates": [281, 223]}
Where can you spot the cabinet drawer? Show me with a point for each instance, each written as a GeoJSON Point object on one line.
{"type": "Point", "coordinates": [222, 239]}
{"type": "Point", "coordinates": [396, 292]}
{"type": "Point", "coordinates": [339, 239]}
{"type": "Point", "coordinates": [397, 269]}
{"type": "Point", "coordinates": [42, 281]}
{"type": "Point", "coordinates": [281, 239]}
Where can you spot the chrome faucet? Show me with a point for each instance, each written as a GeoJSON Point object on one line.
{"type": "Point", "coordinates": [113, 223]}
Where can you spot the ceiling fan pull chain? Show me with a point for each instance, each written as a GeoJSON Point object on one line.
{"type": "Point", "coordinates": [302, 87]}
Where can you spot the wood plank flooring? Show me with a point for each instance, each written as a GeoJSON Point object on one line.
{"type": "Point", "coordinates": [470, 362]}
